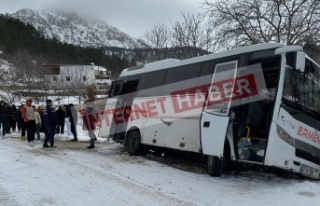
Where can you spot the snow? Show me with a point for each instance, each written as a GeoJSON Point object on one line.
{"type": "Point", "coordinates": [55, 99]}
{"type": "Point", "coordinates": [104, 81]}
{"type": "Point", "coordinates": [72, 29]}
{"type": "Point", "coordinates": [5, 96]}
{"type": "Point", "coordinates": [67, 100]}
{"type": "Point", "coordinates": [4, 65]}
{"type": "Point", "coordinates": [107, 175]}
{"type": "Point", "coordinates": [99, 68]}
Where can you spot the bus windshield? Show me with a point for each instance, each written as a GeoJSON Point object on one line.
{"type": "Point", "coordinates": [302, 90]}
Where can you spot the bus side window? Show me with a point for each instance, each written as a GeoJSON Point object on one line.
{"type": "Point", "coordinates": [130, 86]}
{"type": "Point", "coordinates": [151, 83]}
{"type": "Point", "coordinates": [182, 73]}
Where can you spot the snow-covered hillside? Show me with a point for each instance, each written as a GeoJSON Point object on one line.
{"type": "Point", "coordinates": [72, 29]}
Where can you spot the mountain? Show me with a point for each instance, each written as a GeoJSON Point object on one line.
{"type": "Point", "coordinates": [71, 29]}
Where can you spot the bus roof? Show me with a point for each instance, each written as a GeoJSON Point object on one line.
{"type": "Point", "coordinates": [168, 63]}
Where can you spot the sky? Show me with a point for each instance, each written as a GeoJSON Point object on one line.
{"type": "Point", "coordinates": [134, 17]}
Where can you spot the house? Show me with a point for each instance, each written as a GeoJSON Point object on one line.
{"type": "Point", "coordinates": [72, 77]}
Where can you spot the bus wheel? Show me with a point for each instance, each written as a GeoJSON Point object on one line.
{"type": "Point", "coordinates": [214, 166]}
{"type": "Point", "coordinates": [133, 143]}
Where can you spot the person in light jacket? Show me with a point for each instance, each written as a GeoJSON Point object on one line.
{"type": "Point", "coordinates": [89, 124]}
{"type": "Point", "coordinates": [27, 113]}
{"type": "Point", "coordinates": [38, 123]}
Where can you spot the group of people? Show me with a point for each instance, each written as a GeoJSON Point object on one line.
{"type": "Point", "coordinates": [31, 121]}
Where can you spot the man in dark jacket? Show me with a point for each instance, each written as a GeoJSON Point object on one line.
{"type": "Point", "coordinates": [8, 118]}
{"type": "Point", "coordinates": [13, 118]}
{"type": "Point", "coordinates": [61, 115]}
{"type": "Point", "coordinates": [73, 118]}
{"type": "Point", "coordinates": [3, 117]}
{"type": "Point", "coordinates": [50, 122]}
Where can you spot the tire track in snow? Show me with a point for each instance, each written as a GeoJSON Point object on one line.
{"type": "Point", "coordinates": [126, 182]}
{"type": "Point", "coordinates": [6, 199]}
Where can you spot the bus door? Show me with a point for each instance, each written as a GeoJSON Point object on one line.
{"type": "Point", "coordinates": [215, 116]}
{"type": "Point", "coordinates": [112, 103]}
{"type": "Point", "coordinates": [122, 113]}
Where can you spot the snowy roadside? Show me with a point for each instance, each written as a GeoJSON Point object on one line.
{"type": "Point", "coordinates": [72, 175]}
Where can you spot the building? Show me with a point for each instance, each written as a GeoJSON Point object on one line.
{"type": "Point", "coordinates": [75, 77]}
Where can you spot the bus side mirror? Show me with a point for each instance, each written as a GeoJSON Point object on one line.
{"type": "Point", "coordinates": [300, 61]}
{"type": "Point", "coordinates": [111, 91]}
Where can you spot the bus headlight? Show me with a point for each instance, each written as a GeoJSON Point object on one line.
{"type": "Point", "coordinates": [309, 171]}
{"type": "Point", "coordinates": [285, 136]}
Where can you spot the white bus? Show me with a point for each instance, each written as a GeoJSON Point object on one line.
{"type": "Point", "coordinates": [254, 105]}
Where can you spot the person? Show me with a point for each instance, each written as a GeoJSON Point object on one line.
{"type": "Point", "coordinates": [3, 118]}
{"type": "Point", "coordinates": [38, 123]}
{"type": "Point", "coordinates": [61, 115]}
{"type": "Point", "coordinates": [90, 125]}
{"type": "Point", "coordinates": [40, 111]}
{"type": "Point", "coordinates": [18, 117]}
{"type": "Point", "coordinates": [13, 118]}
{"type": "Point", "coordinates": [27, 113]}
{"type": "Point", "coordinates": [73, 118]}
{"type": "Point", "coordinates": [8, 126]}
{"type": "Point", "coordinates": [68, 124]}
{"type": "Point", "coordinates": [22, 123]}
{"type": "Point", "coordinates": [50, 122]}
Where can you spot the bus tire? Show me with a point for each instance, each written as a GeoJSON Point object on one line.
{"type": "Point", "coordinates": [214, 166]}
{"type": "Point", "coordinates": [133, 143]}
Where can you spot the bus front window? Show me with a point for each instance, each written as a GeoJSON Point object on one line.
{"type": "Point", "coordinates": [302, 90]}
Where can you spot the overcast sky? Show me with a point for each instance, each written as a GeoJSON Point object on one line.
{"type": "Point", "coordinates": [133, 17]}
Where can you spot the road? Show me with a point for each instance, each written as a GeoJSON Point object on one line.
{"type": "Point", "coordinates": [107, 175]}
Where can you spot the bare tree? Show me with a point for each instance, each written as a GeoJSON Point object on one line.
{"type": "Point", "coordinates": [3, 73]}
{"type": "Point", "coordinates": [8, 76]}
{"type": "Point", "coordinates": [246, 22]}
{"type": "Point", "coordinates": [90, 93]}
{"type": "Point", "coordinates": [21, 72]}
{"type": "Point", "coordinates": [157, 39]}
{"type": "Point", "coordinates": [26, 69]}
{"type": "Point", "coordinates": [193, 33]}
{"type": "Point", "coordinates": [3, 80]}
{"type": "Point", "coordinates": [207, 37]}
{"type": "Point", "coordinates": [7, 82]}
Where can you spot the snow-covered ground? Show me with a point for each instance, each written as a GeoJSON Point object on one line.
{"type": "Point", "coordinates": [107, 175]}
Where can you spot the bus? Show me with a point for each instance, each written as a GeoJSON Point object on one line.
{"type": "Point", "coordinates": [258, 105]}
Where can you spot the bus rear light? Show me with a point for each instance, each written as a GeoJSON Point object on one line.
{"type": "Point", "coordinates": [285, 136]}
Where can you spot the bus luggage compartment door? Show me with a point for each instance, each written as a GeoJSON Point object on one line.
{"type": "Point", "coordinates": [213, 133]}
